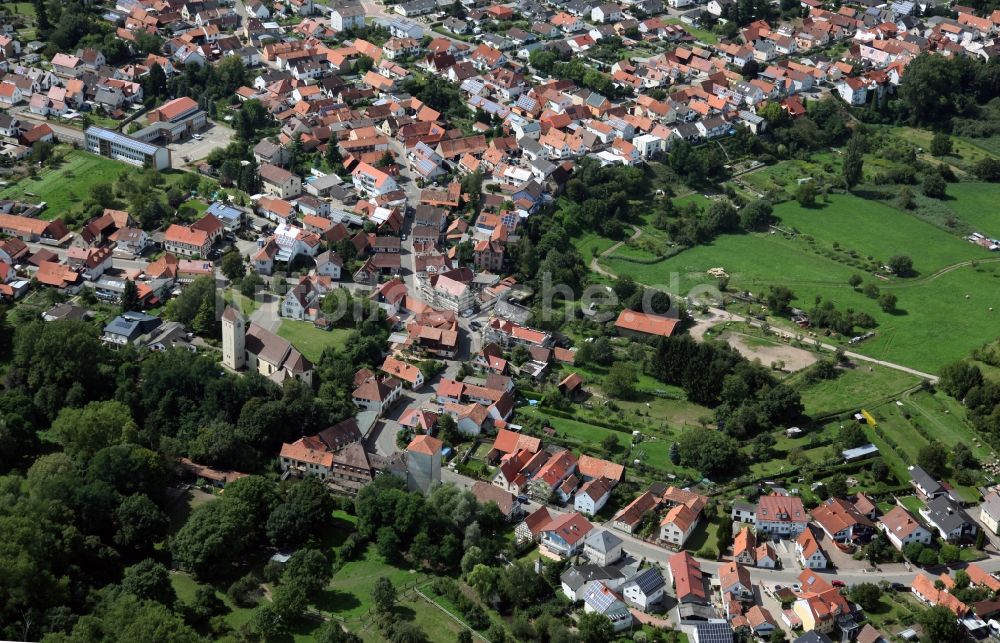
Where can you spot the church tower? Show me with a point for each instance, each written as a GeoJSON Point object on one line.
{"type": "Point", "coordinates": [233, 339]}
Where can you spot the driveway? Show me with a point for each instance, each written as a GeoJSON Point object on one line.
{"type": "Point", "coordinates": [213, 136]}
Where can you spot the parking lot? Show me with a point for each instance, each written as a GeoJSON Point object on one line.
{"type": "Point", "coordinates": [192, 150]}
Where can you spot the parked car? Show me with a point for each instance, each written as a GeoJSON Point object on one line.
{"type": "Point", "coordinates": [838, 583]}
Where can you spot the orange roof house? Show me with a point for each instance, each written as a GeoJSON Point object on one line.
{"type": "Point", "coordinates": [632, 323]}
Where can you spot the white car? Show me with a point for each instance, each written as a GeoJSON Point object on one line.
{"type": "Point", "coordinates": [197, 137]}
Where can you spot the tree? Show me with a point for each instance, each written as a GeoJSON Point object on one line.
{"type": "Point", "coordinates": [149, 580]}
{"type": "Point", "coordinates": [934, 185]}
{"type": "Point", "coordinates": [710, 452]}
{"type": "Point", "coordinates": [485, 580]}
{"type": "Point", "coordinates": [836, 487]}
{"type": "Point", "coordinates": [866, 595]}
{"type": "Point", "coordinates": [901, 266]}
{"type": "Point", "coordinates": [948, 554]}
{"type": "Point", "coordinates": [854, 160]}
{"type": "Point", "coordinates": [756, 215]}
{"type": "Point", "coordinates": [987, 169]}
{"type": "Point", "coordinates": [851, 435]}
{"type": "Point", "coordinates": [887, 302]}
{"type": "Point", "coordinates": [334, 632]}
{"type": "Point", "coordinates": [806, 194]}
{"type": "Point", "coordinates": [41, 16]}
{"type": "Point", "coordinates": [927, 557]}
{"type": "Point", "coordinates": [602, 352]}
{"type": "Point", "coordinates": [383, 596]}
{"type": "Point", "coordinates": [940, 626]}
{"type": "Point", "coordinates": [155, 83]}
{"type": "Point", "coordinates": [620, 381]}
{"type": "Point", "coordinates": [308, 568]}
{"type": "Point", "coordinates": [854, 280]}
{"type": "Point", "coordinates": [941, 144]}
{"type": "Point", "coordinates": [595, 628]}
{"type": "Point", "coordinates": [141, 523]}
{"type": "Point", "coordinates": [84, 432]}
{"type": "Point", "coordinates": [232, 265]}
{"type": "Point", "coordinates": [959, 378]}
{"type": "Point", "coordinates": [962, 457]}
{"type": "Point", "coordinates": [779, 299]}
{"type": "Point", "coordinates": [249, 284]}
{"type": "Point", "coordinates": [609, 443]}
{"type": "Point", "coordinates": [933, 459]}
{"type": "Point", "coordinates": [130, 297]}
{"type": "Point", "coordinates": [674, 455]}
{"type": "Point", "coordinates": [905, 198]}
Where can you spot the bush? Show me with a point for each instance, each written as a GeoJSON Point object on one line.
{"type": "Point", "coordinates": [245, 591]}
{"type": "Point", "coordinates": [927, 557]}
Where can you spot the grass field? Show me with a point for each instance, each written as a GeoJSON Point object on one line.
{"type": "Point", "coordinates": [926, 304]}
{"type": "Point", "coordinates": [186, 586]}
{"type": "Point", "coordinates": [876, 230]}
{"type": "Point", "coordinates": [976, 205]}
{"type": "Point", "coordinates": [349, 593]}
{"type": "Point", "coordinates": [67, 185]}
{"type": "Point", "coordinates": [855, 387]}
{"type": "Point", "coordinates": [309, 340]}
{"type": "Point", "coordinates": [703, 35]}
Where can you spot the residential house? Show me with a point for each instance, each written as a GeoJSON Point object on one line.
{"type": "Point", "coordinates": [989, 512]}
{"type": "Point", "coordinates": [592, 496]}
{"type": "Point", "coordinates": [629, 518]}
{"type": "Point", "coordinates": [279, 182]}
{"type": "Point", "coordinates": [186, 241]}
{"type": "Point", "coordinates": [601, 600]}
{"type": "Point", "coordinates": [925, 588]}
{"type": "Point", "coordinates": [645, 589]}
{"type": "Point", "coordinates": [564, 535]}
{"type": "Point", "coordinates": [377, 395]}
{"type": "Point", "coordinates": [950, 519]}
{"type": "Point", "coordinates": [486, 493]}
{"type": "Point", "coordinates": [678, 525]}
{"type": "Point", "coordinates": [783, 516]}
{"type": "Point", "coordinates": [842, 522]}
{"type": "Point", "coordinates": [687, 579]}
{"type": "Point", "coordinates": [808, 551]}
{"type": "Point", "coordinates": [903, 528]}
{"type": "Point", "coordinates": [925, 484]}
{"type": "Point", "coordinates": [601, 547]}
{"type": "Point", "coordinates": [575, 580]}
{"type": "Point", "coordinates": [734, 579]}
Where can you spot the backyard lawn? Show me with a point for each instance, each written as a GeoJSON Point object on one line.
{"type": "Point", "coordinates": [309, 340]}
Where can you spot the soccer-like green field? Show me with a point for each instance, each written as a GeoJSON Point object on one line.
{"type": "Point", "coordinates": [943, 313]}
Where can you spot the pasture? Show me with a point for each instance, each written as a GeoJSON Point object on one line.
{"type": "Point", "coordinates": [943, 313]}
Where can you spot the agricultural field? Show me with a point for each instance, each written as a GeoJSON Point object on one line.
{"type": "Point", "coordinates": [309, 340]}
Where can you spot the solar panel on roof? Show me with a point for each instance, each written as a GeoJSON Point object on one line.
{"type": "Point", "coordinates": [121, 139]}
{"type": "Point", "coordinates": [717, 632]}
